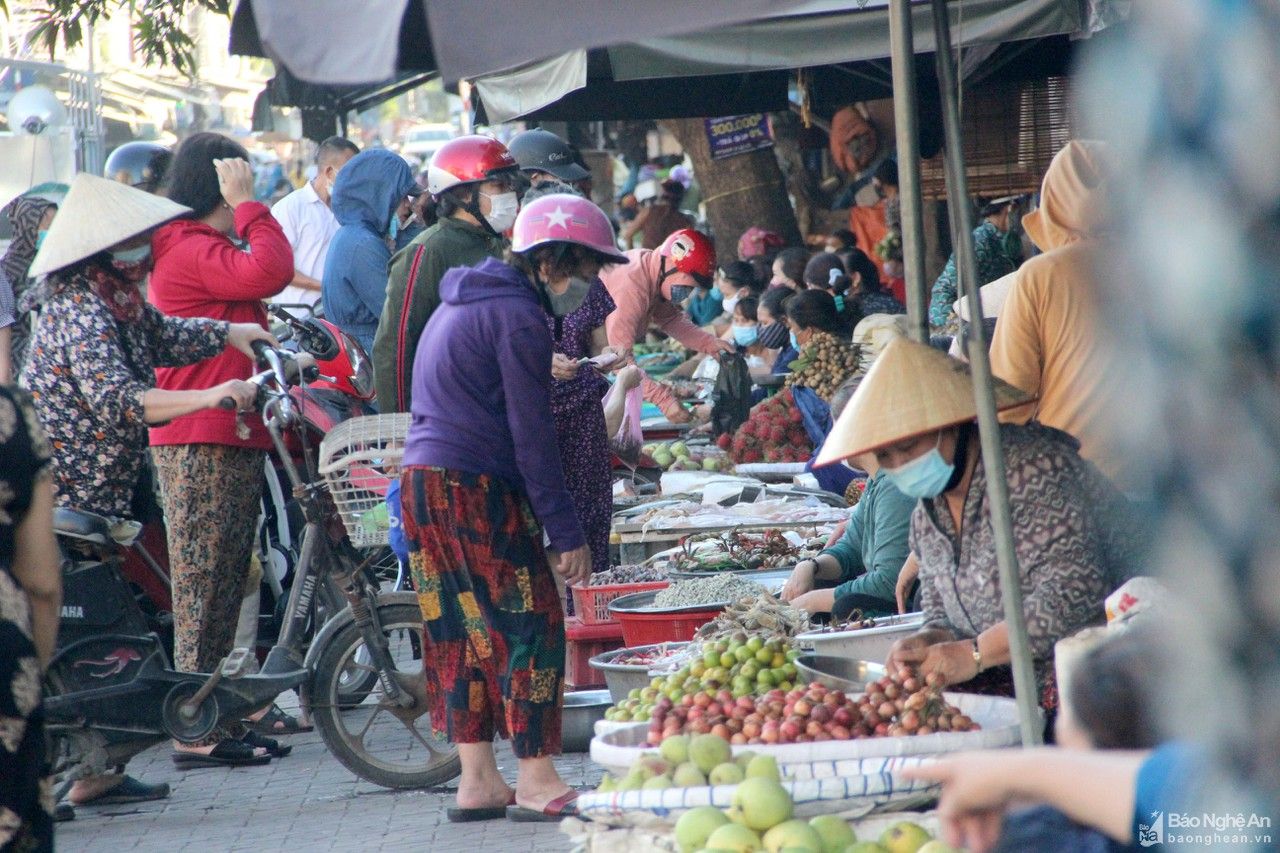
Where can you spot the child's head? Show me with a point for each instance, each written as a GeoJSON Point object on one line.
{"type": "Point", "coordinates": [1110, 700]}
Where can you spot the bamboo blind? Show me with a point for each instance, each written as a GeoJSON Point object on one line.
{"type": "Point", "coordinates": [1011, 131]}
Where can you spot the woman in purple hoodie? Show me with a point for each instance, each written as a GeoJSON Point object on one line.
{"type": "Point", "coordinates": [482, 481]}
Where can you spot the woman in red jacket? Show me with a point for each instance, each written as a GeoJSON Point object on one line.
{"type": "Point", "coordinates": [210, 477]}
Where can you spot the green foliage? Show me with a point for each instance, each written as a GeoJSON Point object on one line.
{"type": "Point", "coordinates": [159, 26]}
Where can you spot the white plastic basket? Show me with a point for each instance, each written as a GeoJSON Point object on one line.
{"type": "Point", "coordinates": [358, 459]}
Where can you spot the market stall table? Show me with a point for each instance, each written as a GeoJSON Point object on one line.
{"type": "Point", "coordinates": [637, 543]}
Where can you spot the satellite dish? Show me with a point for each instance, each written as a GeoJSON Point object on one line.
{"type": "Point", "coordinates": [34, 110]}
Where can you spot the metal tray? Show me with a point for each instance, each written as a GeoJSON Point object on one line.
{"type": "Point", "coordinates": [642, 602]}
{"type": "Point", "coordinates": [851, 676]}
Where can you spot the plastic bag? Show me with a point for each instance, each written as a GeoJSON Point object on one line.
{"type": "Point", "coordinates": [628, 441]}
{"type": "Point", "coordinates": [731, 398]}
{"type": "Point", "coordinates": [395, 533]}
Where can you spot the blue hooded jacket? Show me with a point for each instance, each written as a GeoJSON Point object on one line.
{"type": "Point", "coordinates": [367, 191]}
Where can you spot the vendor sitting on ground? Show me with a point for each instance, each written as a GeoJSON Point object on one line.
{"type": "Point", "coordinates": [1071, 528]}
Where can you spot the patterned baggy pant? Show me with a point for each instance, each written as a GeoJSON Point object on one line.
{"type": "Point", "coordinates": [492, 620]}
{"type": "Point", "coordinates": [211, 495]}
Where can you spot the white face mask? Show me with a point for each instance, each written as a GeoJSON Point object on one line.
{"type": "Point", "coordinates": [730, 304]}
{"type": "Point", "coordinates": [503, 208]}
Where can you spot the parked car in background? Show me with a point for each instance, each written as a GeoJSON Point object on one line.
{"type": "Point", "coordinates": [423, 141]}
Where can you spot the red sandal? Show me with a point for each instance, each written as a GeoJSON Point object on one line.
{"type": "Point", "coordinates": [565, 805]}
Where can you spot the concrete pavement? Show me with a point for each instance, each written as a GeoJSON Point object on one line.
{"type": "Point", "coordinates": [305, 802]}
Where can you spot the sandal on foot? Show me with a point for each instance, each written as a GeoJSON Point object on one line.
{"type": "Point", "coordinates": [459, 815]}
{"type": "Point", "coordinates": [129, 790]}
{"type": "Point", "coordinates": [228, 753]}
{"type": "Point", "coordinates": [63, 812]}
{"type": "Point", "coordinates": [565, 805]}
{"type": "Point", "coordinates": [270, 744]}
{"type": "Point", "coordinates": [277, 722]}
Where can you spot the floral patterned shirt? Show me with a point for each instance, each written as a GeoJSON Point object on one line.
{"type": "Point", "coordinates": [1073, 533]}
{"type": "Point", "coordinates": [24, 453]}
{"type": "Point", "coordinates": [87, 373]}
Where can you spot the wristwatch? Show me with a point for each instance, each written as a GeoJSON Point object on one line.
{"type": "Point", "coordinates": [977, 655]}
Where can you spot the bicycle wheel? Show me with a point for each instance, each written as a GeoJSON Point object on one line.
{"type": "Point", "coordinates": [371, 737]}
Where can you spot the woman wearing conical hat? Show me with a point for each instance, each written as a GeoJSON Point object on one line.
{"type": "Point", "coordinates": [1073, 534]}
{"type": "Point", "coordinates": [91, 370]}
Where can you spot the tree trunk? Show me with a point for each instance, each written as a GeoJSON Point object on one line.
{"type": "Point", "coordinates": [739, 192]}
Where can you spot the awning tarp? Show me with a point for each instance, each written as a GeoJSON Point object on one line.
{"type": "Point", "coordinates": [830, 32]}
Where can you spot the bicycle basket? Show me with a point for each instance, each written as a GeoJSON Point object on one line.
{"type": "Point", "coordinates": [358, 459]}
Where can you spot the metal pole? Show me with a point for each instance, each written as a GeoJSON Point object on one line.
{"type": "Point", "coordinates": [1024, 681]}
{"type": "Point", "coordinates": [905, 102]}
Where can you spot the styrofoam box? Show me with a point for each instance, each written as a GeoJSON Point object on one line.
{"type": "Point", "coordinates": [617, 750]}
{"type": "Point", "coordinates": [847, 787]}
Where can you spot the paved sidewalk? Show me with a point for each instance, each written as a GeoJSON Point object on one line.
{"type": "Point", "coordinates": [306, 802]}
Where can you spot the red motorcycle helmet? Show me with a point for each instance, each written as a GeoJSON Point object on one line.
{"type": "Point", "coordinates": [692, 253]}
{"type": "Point", "coordinates": [468, 160]}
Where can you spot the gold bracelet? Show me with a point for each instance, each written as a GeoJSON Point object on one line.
{"type": "Point", "coordinates": [977, 656]}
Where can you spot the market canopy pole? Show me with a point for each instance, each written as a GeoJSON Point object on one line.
{"type": "Point", "coordinates": [905, 103]}
{"type": "Point", "coordinates": [1024, 680]}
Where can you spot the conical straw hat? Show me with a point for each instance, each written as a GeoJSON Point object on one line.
{"type": "Point", "coordinates": [97, 214]}
{"type": "Point", "coordinates": [912, 388]}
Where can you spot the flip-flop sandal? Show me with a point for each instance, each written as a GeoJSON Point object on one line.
{"type": "Point", "coordinates": [270, 744]}
{"type": "Point", "coordinates": [63, 812]}
{"type": "Point", "coordinates": [456, 815]}
{"type": "Point", "coordinates": [129, 790]}
{"type": "Point", "coordinates": [228, 753]}
{"type": "Point", "coordinates": [277, 722]}
{"type": "Point", "coordinates": [565, 805]}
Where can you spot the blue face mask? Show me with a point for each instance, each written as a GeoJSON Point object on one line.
{"type": "Point", "coordinates": [795, 342]}
{"type": "Point", "coordinates": [132, 256]}
{"type": "Point", "coordinates": [394, 230]}
{"type": "Point", "coordinates": [40, 235]}
{"type": "Point", "coordinates": [716, 294]}
{"type": "Point", "coordinates": [925, 477]}
{"type": "Point", "coordinates": [745, 336]}
{"type": "Point", "coordinates": [840, 303]}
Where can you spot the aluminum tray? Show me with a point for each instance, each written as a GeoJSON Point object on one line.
{"type": "Point", "coordinates": [642, 602]}
{"type": "Point", "coordinates": [851, 676]}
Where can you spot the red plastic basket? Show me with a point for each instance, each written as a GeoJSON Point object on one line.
{"type": "Point", "coordinates": [591, 603]}
{"type": "Point", "coordinates": [583, 642]}
{"type": "Point", "coordinates": [643, 629]}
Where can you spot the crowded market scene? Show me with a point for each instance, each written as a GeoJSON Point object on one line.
{"type": "Point", "coordinates": [750, 426]}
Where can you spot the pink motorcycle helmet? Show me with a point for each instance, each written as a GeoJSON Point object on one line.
{"type": "Point", "coordinates": [565, 218]}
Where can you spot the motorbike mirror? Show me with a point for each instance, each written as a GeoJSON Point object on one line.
{"type": "Point", "coordinates": [319, 341]}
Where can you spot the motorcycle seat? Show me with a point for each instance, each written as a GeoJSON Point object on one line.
{"type": "Point", "coordinates": [90, 527]}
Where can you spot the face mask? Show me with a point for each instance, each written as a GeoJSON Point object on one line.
{"type": "Point", "coordinates": [839, 303]}
{"type": "Point", "coordinates": [716, 295]}
{"type": "Point", "coordinates": [680, 292]}
{"type": "Point", "coordinates": [925, 477]}
{"type": "Point", "coordinates": [503, 208]}
{"type": "Point", "coordinates": [730, 304]}
{"type": "Point", "coordinates": [40, 235]}
{"type": "Point", "coordinates": [773, 336]}
{"type": "Point", "coordinates": [132, 256]}
{"type": "Point", "coordinates": [745, 336]}
{"type": "Point", "coordinates": [394, 230]}
{"type": "Point", "coordinates": [795, 342]}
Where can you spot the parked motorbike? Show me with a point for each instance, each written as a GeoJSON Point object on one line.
{"type": "Point", "coordinates": [354, 650]}
{"type": "Point", "coordinates": [343, 390]}
{"type": "Point", "coordinates": [111, 690]}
